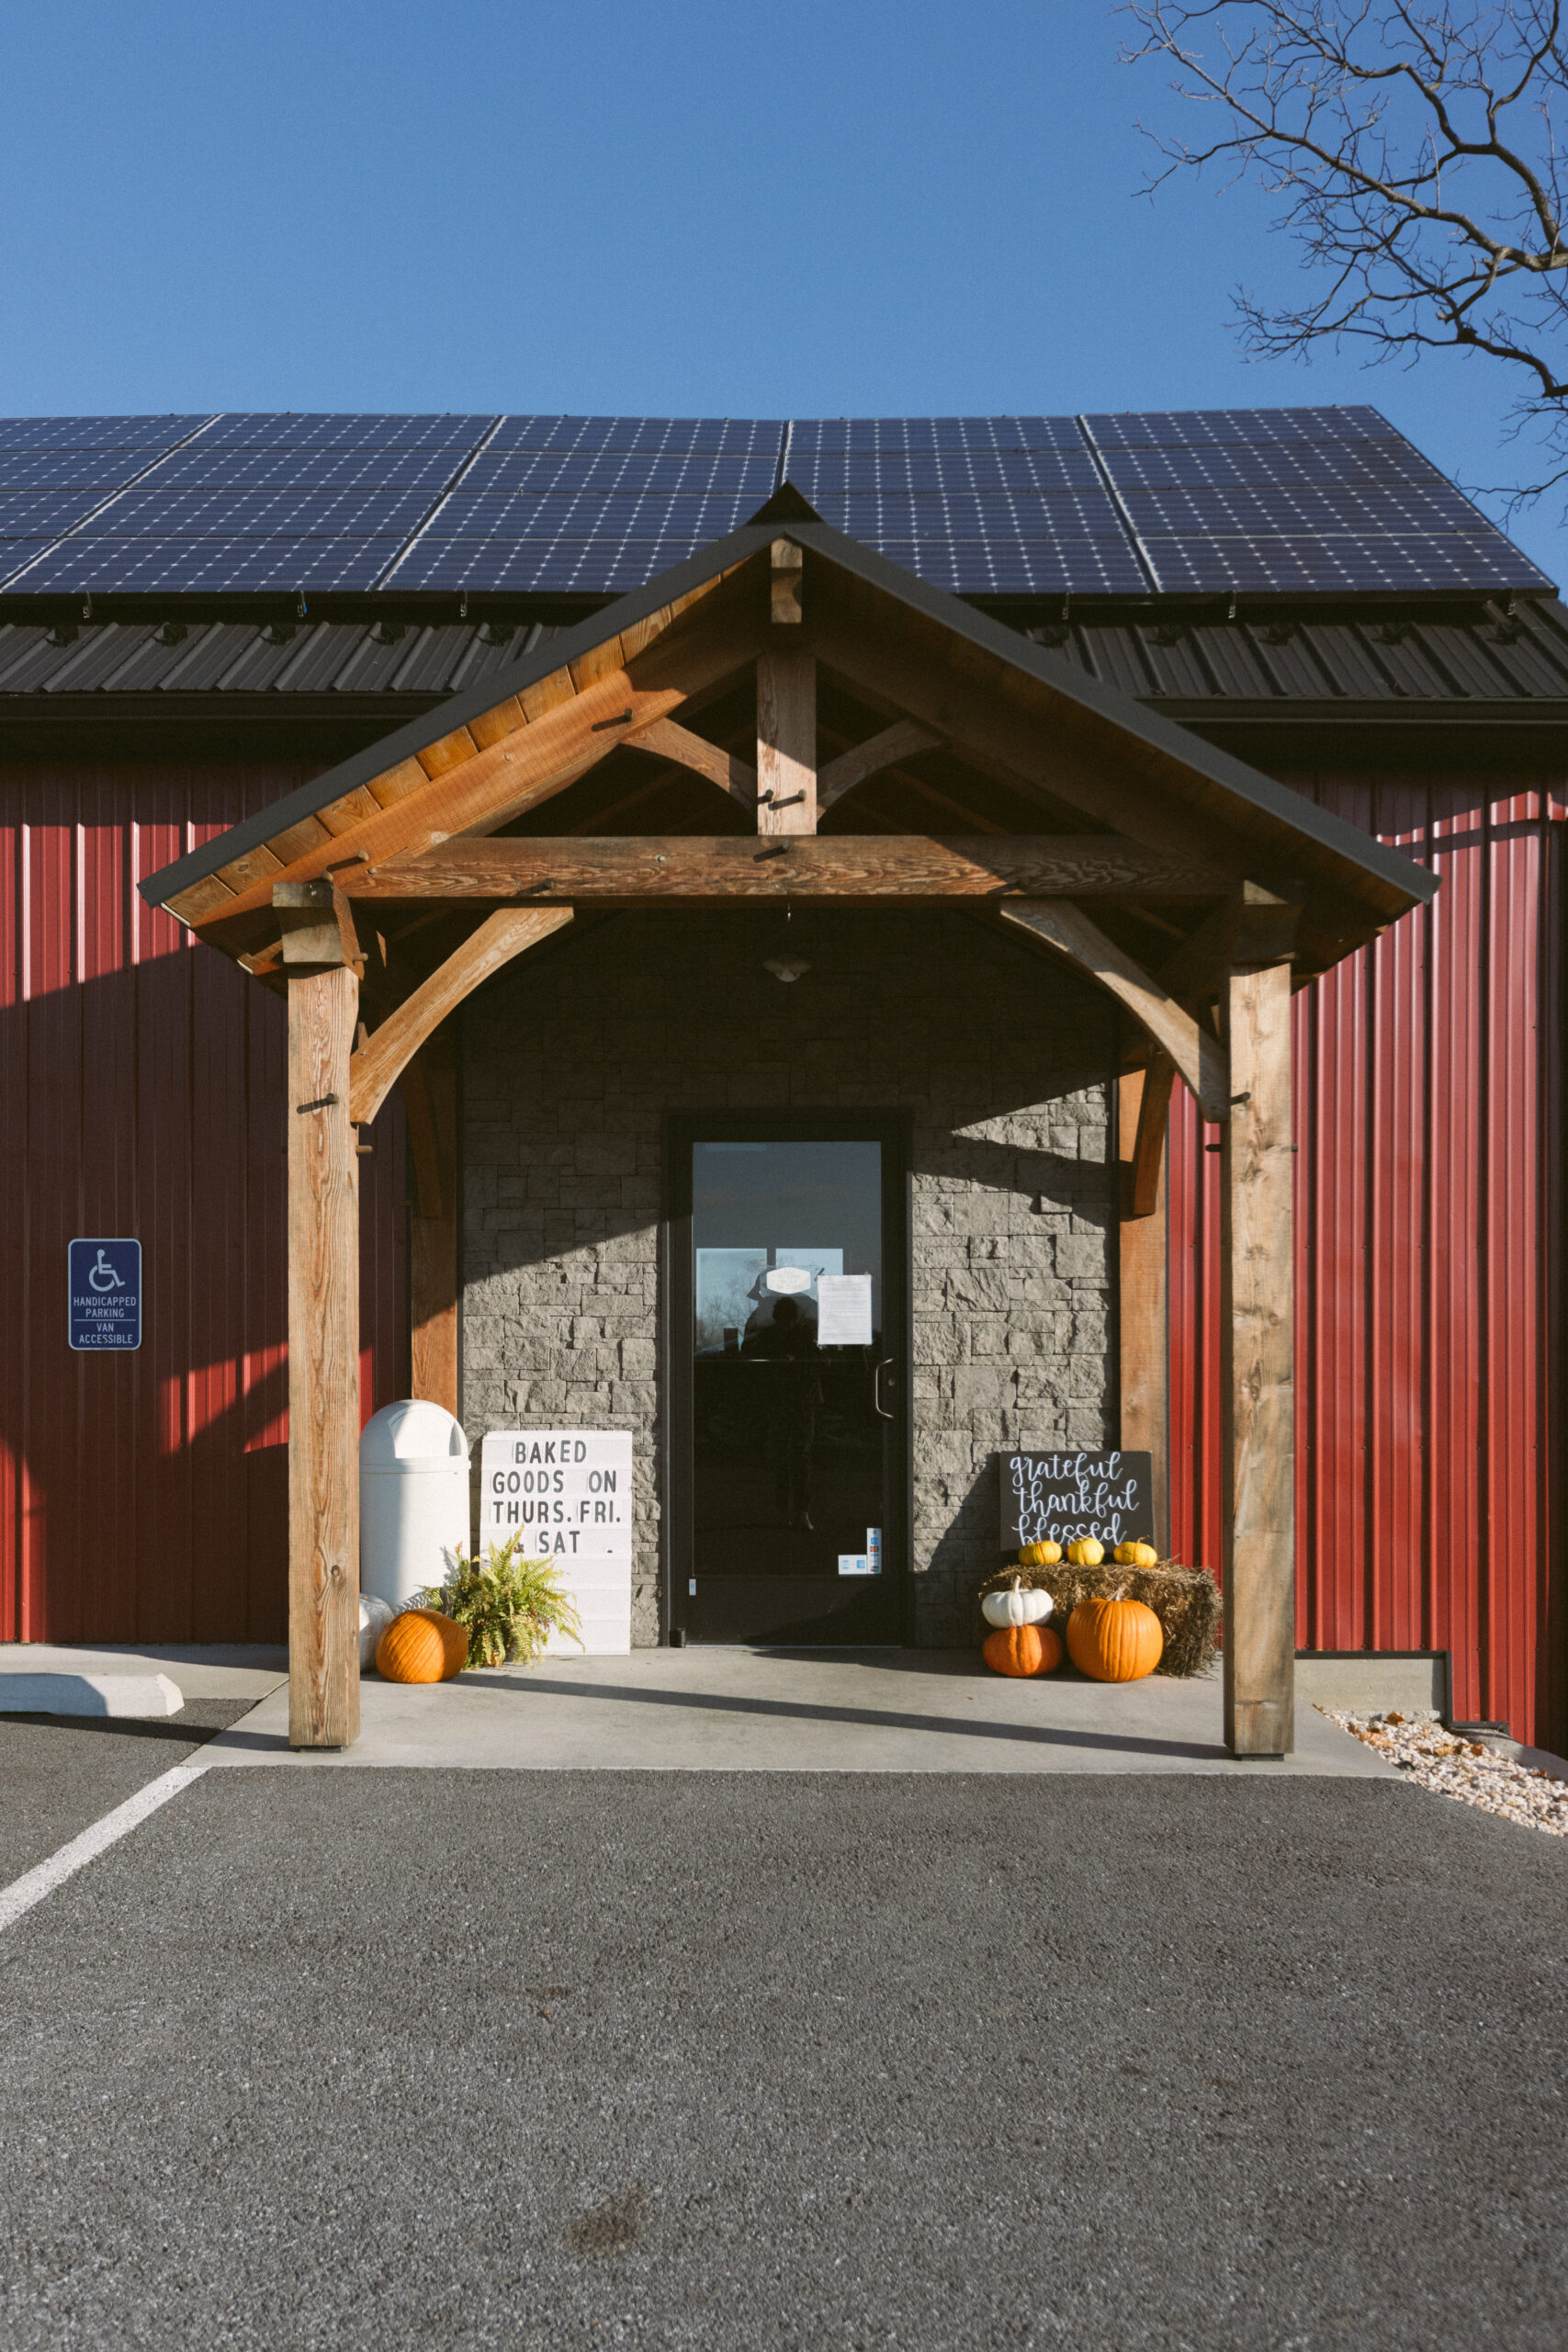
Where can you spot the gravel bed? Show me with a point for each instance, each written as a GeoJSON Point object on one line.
{"type": "Point", "coordinates": [1464, 1769]}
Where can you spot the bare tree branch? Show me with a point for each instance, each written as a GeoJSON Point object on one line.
{"type": "Point", "coordinates": [1412, 146]}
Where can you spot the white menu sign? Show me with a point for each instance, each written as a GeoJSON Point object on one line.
{"type": "Point", "coordinates": [570, 1491]}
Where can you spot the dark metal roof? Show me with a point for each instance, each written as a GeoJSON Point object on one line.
{"type": "Point", "coordinates": [1246, 787]}
{"type": "Point", "coordinates": [282, 659]}
{"type": "Point", "coordinates": [1492, 657]}
{"type": "Point", "coordinates": [1489, 660]}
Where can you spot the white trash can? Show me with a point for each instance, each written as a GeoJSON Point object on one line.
{"type": "Point", "coordinates": [414, 1498]}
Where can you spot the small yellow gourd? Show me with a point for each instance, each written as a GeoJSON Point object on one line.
{"type": "Point", "coordinates": [1086, 1551]}
{"type": "Point", "coordinates": [1043, 1555]}
{"type": "Point", "coordinates": [1136, 1555]}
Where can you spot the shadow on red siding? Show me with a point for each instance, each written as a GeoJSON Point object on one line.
{"type": "Point", "coordinates": [145, 1497]}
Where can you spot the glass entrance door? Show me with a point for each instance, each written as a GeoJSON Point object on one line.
{"type": "Point", "coordinates": [789, 1333]}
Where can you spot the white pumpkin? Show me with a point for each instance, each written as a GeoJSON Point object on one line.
{"type": "Point", "coordinates": [1020, 1604]}
{"type": "Point", "coordinates": [375, 1616]}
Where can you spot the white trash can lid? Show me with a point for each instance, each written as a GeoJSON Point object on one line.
{"type": "Point", "coordinates": [411, 1432]}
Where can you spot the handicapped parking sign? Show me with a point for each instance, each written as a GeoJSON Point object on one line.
{"type": "Point", "coordinates": [106, 1295]}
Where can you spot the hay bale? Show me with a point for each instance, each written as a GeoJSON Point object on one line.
{"type": "Point", "coordinates": [1186, 1600]}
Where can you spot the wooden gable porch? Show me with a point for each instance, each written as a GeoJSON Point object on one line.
{"type": "Point", "coordinates": [790, 719]}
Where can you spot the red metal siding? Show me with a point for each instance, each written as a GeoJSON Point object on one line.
{"type": "Point", "coordinates": [1429, 1272]}
{"type": "Point", "coordinates": [144, 1496]}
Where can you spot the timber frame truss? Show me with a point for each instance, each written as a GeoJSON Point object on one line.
{"type": "Point", "coordinates": [790, 719]}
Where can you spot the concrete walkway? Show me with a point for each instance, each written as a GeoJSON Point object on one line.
{"type": "Point", "coordinates": [805, 1710]}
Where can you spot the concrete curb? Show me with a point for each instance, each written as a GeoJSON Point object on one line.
{"type": "Point", "coordinates": [89, 1694]}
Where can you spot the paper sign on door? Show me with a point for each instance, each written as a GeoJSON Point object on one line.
{"type": "Point", "coordinates": [843, 1310]}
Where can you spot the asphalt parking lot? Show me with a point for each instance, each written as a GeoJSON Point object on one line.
{"type": "Point", "coordinates": [354, 2059]}
{"type": "Point", "coordinates": [61, 1773]}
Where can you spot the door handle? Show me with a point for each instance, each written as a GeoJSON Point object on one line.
{"type": "Point", "coordinates": [877, 1388]}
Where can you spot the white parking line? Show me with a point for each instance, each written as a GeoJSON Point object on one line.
{"type": "Point", "coordinates": [34, 1885]}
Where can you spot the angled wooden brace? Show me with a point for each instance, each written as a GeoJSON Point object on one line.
{"type": "Point", "coordinates": [377, 1065]}
{"type": "Point", "coordinates": [1059, 924]}
{"type": "Point", "coordinates": [1140, 1172]}
{"type": "Point", "coordinates": [902, 741]}
{"type": "Point", "coordinates": [673, 741]}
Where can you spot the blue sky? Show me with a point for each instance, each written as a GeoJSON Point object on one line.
{"type": "Point", "coordinates": [859, 208]}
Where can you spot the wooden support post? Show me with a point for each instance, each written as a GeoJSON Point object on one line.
{"type": "Point", "coordinates": [1257, 1347]}
{"type": "Point", "coordinates": [1143, 1335]}
{"type": "Point", "coordinates": [436, 1225]}
{"type": "Point", "coordinates": [786, 743]}
{"type": "Point", "coordinates": [787, 570]}
{"type": "Point", "coordinates": [323, 1359]}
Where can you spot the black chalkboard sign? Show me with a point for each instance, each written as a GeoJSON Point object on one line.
{"type": "Point", "coordinates": [1054, 1496]}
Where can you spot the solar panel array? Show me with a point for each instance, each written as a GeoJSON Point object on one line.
{"type": "Point", "coordinates": [1265, 500]}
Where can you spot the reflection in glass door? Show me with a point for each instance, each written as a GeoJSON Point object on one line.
{"type": "Point", "coordinates": [789, 1353]}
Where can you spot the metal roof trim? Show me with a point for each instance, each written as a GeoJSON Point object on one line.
{"type": "Point", "coordinates": [1512, 714]}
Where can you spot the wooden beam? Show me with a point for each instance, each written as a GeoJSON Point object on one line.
{"type": "Point", "coordinates": [435, 1227]}
{"type": "Point", "coordinates": [323, 1364]}
{"type": "Point", "coordinates": [1059, 924]}
{"type": "Point", "coordinates": [652, 867]}
{"type": "Point", "coordinates": [1258, 1368]}
{"type": "Point", "coordinates": [1143, 1288]}
{"type": "Point", "coordinates": [786, 743]}
{"type": "Point", "coordinates": [788, 566]}
{"type": "Point", "coordinates": [316, 926]}
{"type": "Point", "coordinates": [1252, 926]}
{"type": "Point", "coordinates": [511, 932]}
{"type": "Point", "coordinates": [900, 742]}
{"type": "Point", "coordinates": [672, 741]}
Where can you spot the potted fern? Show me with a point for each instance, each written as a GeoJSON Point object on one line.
{"type": "Point", "coordinates": [510, 1605]}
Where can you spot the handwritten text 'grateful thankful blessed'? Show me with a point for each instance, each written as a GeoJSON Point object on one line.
{"type": "Point", "coordinates": [1056, 1497]}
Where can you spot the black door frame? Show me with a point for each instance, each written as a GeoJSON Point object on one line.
{"type": "Point", "coordinates": [892, 1129]}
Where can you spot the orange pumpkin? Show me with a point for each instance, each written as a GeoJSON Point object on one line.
{"type": "Point", "coordinates": [1114, 1640]}
{"type": "Point", "coordinates": [1022, 1649]}
{"type": "Point", "coordinates": [1043, 1555]}
{"type": "Point", "coordinates": [422, 1646]}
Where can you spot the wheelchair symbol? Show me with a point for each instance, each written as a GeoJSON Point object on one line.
{"type": "Point", "coordinates": [103, 1276]}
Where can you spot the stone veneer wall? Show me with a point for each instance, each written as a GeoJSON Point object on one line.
{"type": "Point", "coordinates": [1005, 1063]}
